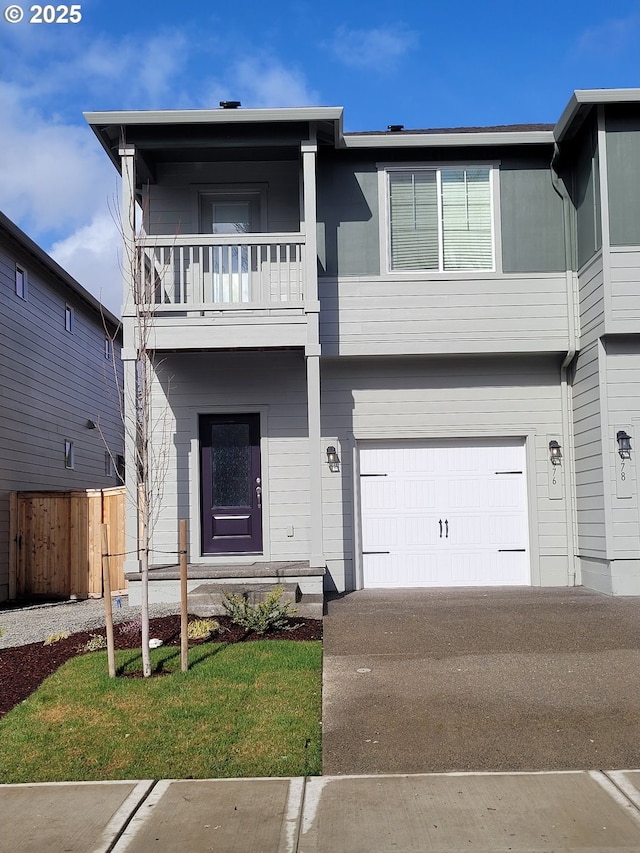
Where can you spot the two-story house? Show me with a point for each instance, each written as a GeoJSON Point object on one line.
{"type": "Point", "coordinates": [60, 415]}
{"type": "Point", "coordinates": [392, 359]}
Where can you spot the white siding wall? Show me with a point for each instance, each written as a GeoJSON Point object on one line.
{"type": "Point", "coordinates": [51, 383]}
{"type": "Point", "coordinates": [623, 395]}
{"type": "Point", "coordinates": [207, 383]}
{"type": "Point", "coordinates": [173, 202]}
{"type": "Point", "coordinates": [591, 296]}
{"type": "Point", "coordinates": [373, 316]}
{"type": "Point", "coordinates": [625, 289]}
{"type": "Point", "coordinates": [442, 398]}
{"type": "Point", "coordinates": [588, 454]}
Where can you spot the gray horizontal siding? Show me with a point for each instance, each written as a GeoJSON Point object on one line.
{"type": "Point", "coordinates": [623, 175]}
{"type": "Point", "coordinates": [532, 233]}
{"type": "Point", "coordinates": [51, 383]}
{"type": "Point", "coordinates": [491, 314]}
{"type": "Point", "coordinates": [173, 208]}
{"type": "Point", "coordinates": [587, 422]}
{"type": "Point", "coordinates": [625, 290]}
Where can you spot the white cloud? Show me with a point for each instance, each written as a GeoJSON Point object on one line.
{"type": "Point", "coordinates": [374, 48]}
{"type": "Point", "coordinates": [53, 175]}
{"type": "Point", "coordinates": [91, 255]}
{"type": "Point", "coordinates": [610, 38]}
{"type": "Point", "coordinates": [261, 83]}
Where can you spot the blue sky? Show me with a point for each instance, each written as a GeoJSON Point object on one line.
{"type": "Point", "coordinates": [420, 64]}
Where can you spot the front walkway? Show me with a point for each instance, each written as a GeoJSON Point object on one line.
{"type": "Point", "coordinates": [422, 681]}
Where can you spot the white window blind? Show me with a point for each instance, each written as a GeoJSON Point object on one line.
{"type": "Point", "coordinates": [441, 219]}
{"type": "Point", "coordinates": [466, 219]}
{"type": "Point", "coordinates": [414, 220]}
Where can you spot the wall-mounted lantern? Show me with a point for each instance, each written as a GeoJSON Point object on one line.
{"type": "Point", "coordinates": [333, 460]}
{"type": "Point", "coordinates": [555, 453]}
{"type": "Point", "coordinates": [624, 444]}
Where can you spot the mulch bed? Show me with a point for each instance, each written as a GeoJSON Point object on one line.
{"type": "Point", "coordinates": [24, 668]}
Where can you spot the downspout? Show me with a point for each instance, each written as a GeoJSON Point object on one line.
{"type": "Point", "coordinates": [567, 417]}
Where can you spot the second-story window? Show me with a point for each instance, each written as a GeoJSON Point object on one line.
{"type": "Point", "coordinates": [21, 282]}
{"type": "Point", "coordinates": [68, 318]}
{"type": "Point", "coordinates": [440, 219]}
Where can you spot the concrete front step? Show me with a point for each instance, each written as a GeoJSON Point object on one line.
{"type": "Point", "coordinates": [252, 578]}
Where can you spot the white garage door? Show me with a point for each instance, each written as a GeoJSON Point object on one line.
{"type": "Point", "coordinates": [444, 514]}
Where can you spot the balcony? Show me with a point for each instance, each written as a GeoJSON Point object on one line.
{"type": "Point", "coordinates": [196, 282]}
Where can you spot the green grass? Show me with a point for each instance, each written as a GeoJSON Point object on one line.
{"type": "Point", "coordinates": [244, 709]}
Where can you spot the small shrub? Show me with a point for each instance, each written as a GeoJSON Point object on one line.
{"type": "Point", "coordinates": [132, 628]}
{"type": "Point", "coordinates": [95, 643]}
{"type": "Point", "coordinates": [202, 629]}
{"type": "Point", "coordinates": [272, 614]}
{"type": "Point", "coordinates": [55, 638]}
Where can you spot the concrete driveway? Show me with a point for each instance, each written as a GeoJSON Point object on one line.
{"type": "Point", "coordinates": [480, 679]}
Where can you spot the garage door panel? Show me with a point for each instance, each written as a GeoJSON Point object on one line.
{"type": "Point", "coordinates": [378, 493]}
{"type": "Point", "coordinates": [475, 491]}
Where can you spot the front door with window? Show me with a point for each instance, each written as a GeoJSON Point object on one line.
{"type": "Point", "coordinates": [231, 484]}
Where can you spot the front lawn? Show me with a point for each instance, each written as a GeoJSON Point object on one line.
{"type": "Point", "coordinates": [243, 709]}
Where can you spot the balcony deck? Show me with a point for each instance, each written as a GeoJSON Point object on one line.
{"type": "Point", "coordinates": [224, 291]}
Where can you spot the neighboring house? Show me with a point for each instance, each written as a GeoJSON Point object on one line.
{"type": "Point", "coordinates": [410, 358]}
{"type": "Point", "coordinates": [57, 383]}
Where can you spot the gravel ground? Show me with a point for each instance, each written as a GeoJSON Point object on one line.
{"type": "Point", "coordinates": [34, 623]}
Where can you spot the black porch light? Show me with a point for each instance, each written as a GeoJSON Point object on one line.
{"type": "Point", "coordinates": [555, 452]}
{"type": "Point", "coordinates": [333, 460]}
{"type": "Point", "coordinates": [624, 444]}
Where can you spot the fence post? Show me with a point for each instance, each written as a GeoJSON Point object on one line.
{"type": "Point", "coordinates": [107, 600]}
{"type": "Point", "coordinates": [14, 532]}
{"type": "Point", "coordinates": [184, 637]}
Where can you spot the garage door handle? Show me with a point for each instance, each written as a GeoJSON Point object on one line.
{"type": "Point", "coordinates": [440, 523]}
{"type": "Point", "coordinates": [511, 550]}
{"type": "Point", "coordinates": [375, 552]}
{"type": "Point", "coordinates": [446, 527]}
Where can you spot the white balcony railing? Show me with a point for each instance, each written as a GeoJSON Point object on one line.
{"type": "Point", "coordinates": [210, 271]}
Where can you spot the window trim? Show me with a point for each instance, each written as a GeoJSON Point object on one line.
{"type": "Point", "coordinates": [69, 455]}
{"type": "Point", "coordinates": [68, 318]}
{"type": "Point", "coordinates": [384, 207]}
{"type": "Point", "coordinates": [23, 272]}
{"type": "Point", "coordinates": [257, 192]}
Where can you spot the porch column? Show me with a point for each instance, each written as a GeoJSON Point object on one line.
{"type": "Point", "coordinates": [129, 353]}
{"type": "Point", "coordinates": [131, 462]}
{"type": "Point", "coordinates": [312, 349]}
{"type": "Point", "coordinates": [316, 556]}
{"type": "Point", "coordinates": [128, 225]}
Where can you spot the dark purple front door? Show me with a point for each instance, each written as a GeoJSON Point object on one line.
{"type": "Point", "coordinates": [231, 484]}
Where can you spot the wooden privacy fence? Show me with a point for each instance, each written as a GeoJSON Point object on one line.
{"type": "Point", "coordinates": [55, 542]}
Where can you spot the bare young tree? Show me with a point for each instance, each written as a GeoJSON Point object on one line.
{"type": "Point", "coordinates": [146, 430]}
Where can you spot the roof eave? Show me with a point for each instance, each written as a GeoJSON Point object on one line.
{"type": "Point", "coordinates": [449, 140]}
{"type": "Point", "coordinates": [221, 116]}
{"type": "Point", "coordinates": [591, 97]}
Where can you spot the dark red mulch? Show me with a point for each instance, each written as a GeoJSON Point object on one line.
{"type": "Point", "coordinates": [24, 668]}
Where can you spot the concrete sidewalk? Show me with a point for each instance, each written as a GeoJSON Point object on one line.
{"type": "Point", "coordinates": [518, 812]}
